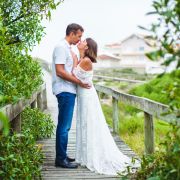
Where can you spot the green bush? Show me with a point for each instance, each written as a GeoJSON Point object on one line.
{"type": "Point", "coordinates": [20, 30]}
{"type": "Point", "coordinates": [128, 70]}
{"type": "Point", "coordinates": [108, 114]}
{"type": "Point", "coordinates": [4, 121]}
{"type": "Point", "coordinates": [38, 124]}
{"type": "Point", "coordinates": [20, 157]}
{"type": "Point", "coordinates": [116, 84]}
{"type": "Point", "coordinates": [163, 164]}
{"type": "Point", "coordinates": [20, 76]}
{"type": "Point", "coordinates": [158, 89]}
{"type": "Point", "coordinates": [132, 125]}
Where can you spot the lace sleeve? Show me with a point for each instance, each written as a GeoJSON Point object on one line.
{"type": "Point", "coordinates": [82, 75]}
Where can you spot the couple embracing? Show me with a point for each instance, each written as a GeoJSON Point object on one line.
{"type": "Point", "coordinates": [72, 79]}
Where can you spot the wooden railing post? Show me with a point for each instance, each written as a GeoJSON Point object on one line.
{"type": "Point", "coordinates": [115, 115]}
{"type": "Point", "coordinates": [99, 94]}
{"type": "Point", "coordinates": [34, 104]}
{"type": "Point", "coordinates": [40, 101]}
{"type": "Point", "coordinates": [149, 133]}
{"type": "Point", "coordinates": [44, 99]}
{"type": "Point", "coordinates": [16, 124]}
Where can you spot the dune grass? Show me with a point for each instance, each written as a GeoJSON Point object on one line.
{"type": "Point", "coordinates": [158, 88]}
{"type": "Point", "coordinates": [131, 128]}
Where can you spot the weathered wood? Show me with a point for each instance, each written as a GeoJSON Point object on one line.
{"type": "Point", "coordinates": [40, 101]}
{"type": "Point", "coordinates": [115, 115]}
{"type": "Point", "coordinates": [49, 171]}
{"type": "Point", "coordinates": [34, 104]}
{"type": "Point", "coordinates": [16, 124]}
{"type": "Point", "coordinates": [99, 94]}
{"type": "Point", "coordinates": [146, 105]}
{"type": "Point", "coordinates": [12, 110]}
{"type": "Point", "coordinates": [150, 108]}
{"type": "Point", "coordinates": [149, 133]}
{"type": "Point", "coordinates": [44, 99]}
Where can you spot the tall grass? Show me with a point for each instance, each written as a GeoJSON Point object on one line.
{"type": "Point", "coordinates": [131, 128]}
{"type": "Point", "coordinates": [157, 88]}
{"type": "Point", "coordinates": [128, 73]}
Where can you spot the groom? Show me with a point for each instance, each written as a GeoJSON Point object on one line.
{"type": "Point", "coordinates": [64, 87]}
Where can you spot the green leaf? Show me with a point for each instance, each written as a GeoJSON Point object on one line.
{"type": "Point", "coordinates": [154, 178]}
{"type": "Point", "coordinates": [5, 123]}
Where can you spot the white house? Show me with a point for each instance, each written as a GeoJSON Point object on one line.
{"type": "Point", "coordinates": [107, 61]}
{"type": "Point", "coordinates": [131, 52]}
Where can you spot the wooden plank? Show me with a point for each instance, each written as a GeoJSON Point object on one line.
{"type": "Point", "coordinates": [34, 104]}
{"type": "Point", "coordinates": [149, 133]}
{"type": "Point", "coordinates": [16, 124]}
{"type": "Point", "coordinates": [115, 115]}
{"type": "Point", "coordinates": [44, 98]}
{"type": "Point", "coordinates": [49, 171]}
{"type": "Point", "coordinates": [40, 101]}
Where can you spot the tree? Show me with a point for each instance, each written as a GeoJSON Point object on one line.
{"type": "Point", "coordinates": [166, 31]}
{"type": "Point", "coordinates": [20, 30]}
{"type": "Point", "coordinates": [165, 163]}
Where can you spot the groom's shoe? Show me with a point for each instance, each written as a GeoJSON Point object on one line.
{"type": "Point", "coordinates": [66, 164]}
{"type": "Point", "coordinates": [70, 159]}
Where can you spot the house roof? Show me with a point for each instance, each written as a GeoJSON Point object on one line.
{"type": "Point", "coordinates": [107, 57]}
{"type": "Point", "coordinates": [148, 40]}
{"type": "Point", "coordinates": [114, 45]}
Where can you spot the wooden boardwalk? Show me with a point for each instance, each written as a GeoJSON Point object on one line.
{"type": "Point", "coordinates": [49, 171]}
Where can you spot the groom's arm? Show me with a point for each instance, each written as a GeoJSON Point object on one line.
{"type": "Point", "coordinates": [59, 57]}
{"type": "Point", "coordinates": [75, 60]}
{"type": "Point", "coordinates": [60, 71]}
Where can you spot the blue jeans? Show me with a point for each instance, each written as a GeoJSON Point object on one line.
{"type": "Point", "coordinates": [66, 103]}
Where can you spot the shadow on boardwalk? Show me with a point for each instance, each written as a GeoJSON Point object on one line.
{"type": "Point", "coordinates": [49, 171]}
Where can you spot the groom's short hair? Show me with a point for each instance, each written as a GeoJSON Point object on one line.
{"type": "Point", "coordinates": [73, 28]}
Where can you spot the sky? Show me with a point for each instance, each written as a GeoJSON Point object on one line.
{"type": "Point", "coordinates": [106, 21]}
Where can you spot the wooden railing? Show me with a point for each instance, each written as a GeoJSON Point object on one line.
{"type": "Point", "coordinates": [150, 108]}
{"type": "Point", "coordinates": [98, 77]}
{"type": "Point", "coordinates": [47, 66]}
{"type": "Point", "coordinates": [13, 111]}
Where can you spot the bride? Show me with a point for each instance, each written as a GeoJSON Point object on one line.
{"type": "Point", "coordinates": [95, 146]}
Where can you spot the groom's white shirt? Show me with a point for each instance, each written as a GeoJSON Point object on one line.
{"type": "Point", "coordinates": [62, 55]}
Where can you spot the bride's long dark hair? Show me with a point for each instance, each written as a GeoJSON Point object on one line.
{"type": "Point", "coordinates": [91, 52]}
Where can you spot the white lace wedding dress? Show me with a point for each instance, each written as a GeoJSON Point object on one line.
{"type": "Point", "coordinates": [95, 146]}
